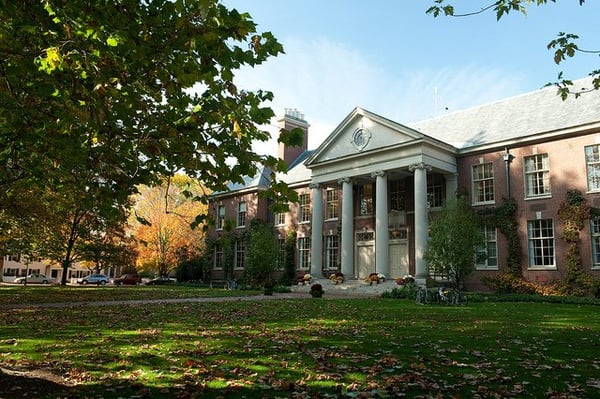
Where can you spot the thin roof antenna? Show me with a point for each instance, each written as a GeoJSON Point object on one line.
{"type": "Point", "coordinates": [435, 100]}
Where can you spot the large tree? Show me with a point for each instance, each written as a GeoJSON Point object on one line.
{"type": "Point", "coordinates": [564, 45]}
{"type": "Point", "coordinates": [116, 93]}
{"type": "Point", "coordinates": [162, 224]}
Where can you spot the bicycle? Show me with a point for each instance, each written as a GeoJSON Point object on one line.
{"type": "Point", "coordinates": [458, 298]}
{"type": "Point", "coordinates": [423, 296]}
{"type": "Point", "coordinates": [450, 296]}
{"type": "Point", "coordinates": [230, 284]}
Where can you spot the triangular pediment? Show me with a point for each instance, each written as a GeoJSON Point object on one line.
{"type": "Point", "coordinates": [363, 132]}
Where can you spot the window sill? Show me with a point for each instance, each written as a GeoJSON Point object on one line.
{"type": "Point", "coordinates": [486, 268]}
{"type": "Point", "coordinates": [483, 203]}
{"type": "Point", "coordinates": [538, 197]}
{"type": "Point", "coordinates": [541, 268]}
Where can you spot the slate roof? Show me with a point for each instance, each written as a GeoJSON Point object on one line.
{"type": "Point", "coordinates": [520, 117]}
{"type": "Point", "coordinates": [530, 114]}
{"type": "Point", "coordinates": [262, 179]}
{"type": "Point", "coordinates": [297, 171]}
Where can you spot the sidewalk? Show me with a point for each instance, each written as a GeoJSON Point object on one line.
{"type": "Point", "coordinates": [348, 289]}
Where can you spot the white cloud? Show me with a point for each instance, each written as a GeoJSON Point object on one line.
{"type": "Point", "coordinates": [326, 80]}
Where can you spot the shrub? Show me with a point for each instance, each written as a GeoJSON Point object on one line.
{"type": "Point", "coordinates": [507, 283]}
{"type": "Point", "coordinates": [454, 237]}
{"type": "Point", "coordinates": [261, 254]}
{"type": "Point", "coordinates": [406, 291]}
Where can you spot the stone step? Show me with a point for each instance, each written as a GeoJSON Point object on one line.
{"type": "Point", "coordinates": [349, 286]}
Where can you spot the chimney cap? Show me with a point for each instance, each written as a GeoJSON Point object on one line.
{"type": "Point", "coordinates": [294, 113]}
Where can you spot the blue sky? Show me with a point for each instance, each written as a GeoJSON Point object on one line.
{"type": "Point", "coordinates": [391, 58]}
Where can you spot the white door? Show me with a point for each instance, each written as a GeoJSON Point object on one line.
{"type": "Point", "coordinates": [398, 256]}
{"type": "Point", "coordinates": [365, 260]}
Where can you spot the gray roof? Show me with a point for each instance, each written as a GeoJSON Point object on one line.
{"type": "Point", "coordinates": [297, 171]}
{"type": "Point", "coordinates": [534, 113]}
{"type": "Point", "coordinates": [520, 117]}
{"type": "Point", "coordinates": [261, 180]}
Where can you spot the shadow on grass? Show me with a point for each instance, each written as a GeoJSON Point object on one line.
{"type": "Point", "coordinates": [20, 384]}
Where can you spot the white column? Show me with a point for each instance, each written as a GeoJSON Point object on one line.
{"type": "Point", "coordinates": [421, 219]}
{"type": "Point", "coordinates": [316, 245]}
{"type": "Point", "coordinates": [382, 264]}
{"type": "Point", "coordinates": [347, 244]}
{"type": "Point", "coordinates": [451, 186]}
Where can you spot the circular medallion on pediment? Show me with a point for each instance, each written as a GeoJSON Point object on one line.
{"type": "Point", "coordinates": [361, 138]}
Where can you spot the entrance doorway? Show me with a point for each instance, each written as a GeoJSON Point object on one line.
{"type": "Point", "coordinates": [365, 253]}
{"type": "Point", "coordinates": [398, 255]}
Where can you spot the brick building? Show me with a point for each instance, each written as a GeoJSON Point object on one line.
{"type": "Point", "coordinates": [368, 192]}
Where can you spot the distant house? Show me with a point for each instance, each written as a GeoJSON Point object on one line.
{"type": "Point", "coordinates": [13, 266]}
{"type": "Point", "coordinates": [368, 192]}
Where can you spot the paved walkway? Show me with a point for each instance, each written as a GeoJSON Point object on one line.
{"type": "Point", "coordinates": [350, 289]}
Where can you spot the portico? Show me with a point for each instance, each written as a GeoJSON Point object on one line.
{"type": "Point", "coordinates": [382, 170]}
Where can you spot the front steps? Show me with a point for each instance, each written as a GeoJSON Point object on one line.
{"type": "Point", "coordinates": [348, 287]}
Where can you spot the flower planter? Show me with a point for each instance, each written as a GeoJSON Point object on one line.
{"type": "Point", "coordinates": [316, 291]}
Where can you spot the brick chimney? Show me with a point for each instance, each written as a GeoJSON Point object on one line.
{"type": "Point", "coordinates": [291, 120]}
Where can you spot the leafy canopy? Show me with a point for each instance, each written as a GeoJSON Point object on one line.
{"type": "Point", "coordinates": [131, 91]}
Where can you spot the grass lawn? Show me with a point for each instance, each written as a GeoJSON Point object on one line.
{"type": "Point", "coordinates": [306, 348]}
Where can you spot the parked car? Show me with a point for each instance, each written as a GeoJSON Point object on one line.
{"type": "Point", "coordinates": [161, 281]}
{"type": "Point", "coordinates": [99, 279]}
{"type": "Point", "coordinates": [35, 278]}
{"type": "Point", "coordinates": [129, 279]}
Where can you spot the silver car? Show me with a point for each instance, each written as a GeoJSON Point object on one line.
{"type": "Point", "coordinates": [99, 279]}
{"type": "Point", "coordinates": [34, 278]}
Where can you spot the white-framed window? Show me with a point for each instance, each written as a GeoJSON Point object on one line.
{"type": "Point", "coordinates": [279, 219]}
{"type": "Point", "coordinates": [365, 199]}
{"type": "Point", "coordinates": [595, 237]}
{"type": "Point", "coordinates": [487, 254]}
{"type": "Point", "coordinates": [331, 251]}
{"type": "Point", "coordinates": [240, 254]}
{"type": "Point", "coordinates": [220, 217]}
{"type": "Point", "coordinates": [304, 253]}
{"type": "Point", "coordinates": [436, 190]}
{"type": "Point", "coordinates": [218, 256]}
{"type": "Point", "coordinates": [592, 161]}
{"type": "Point", "coordinates": [397, 195]}
{"type": "Point", "coordinates": [483, 183]}
{"type": "Point", "coordinates": [304, 208]}
{"type": "Point", "coordinates": [537, 175]}
{"type": "Point", "coordinates": [241, 215]}
{"type": "Point", "coordinates": [281, 257]}
{"type": "Point", "coordinates": [333, 204]}
{"type": "Point", "coordinates": [540, 236]}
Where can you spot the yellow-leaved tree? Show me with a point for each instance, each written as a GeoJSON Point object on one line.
{"type": "Point", "coordinates": [161, 223]}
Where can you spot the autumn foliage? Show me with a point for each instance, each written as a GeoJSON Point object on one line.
{"type": "Point", "coordinates": [162, 225]}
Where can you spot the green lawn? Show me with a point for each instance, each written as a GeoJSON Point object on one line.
{"type": "Point", "coordinates": [310, 348]}
{"type": "Point", "coordinates": [13, 294]}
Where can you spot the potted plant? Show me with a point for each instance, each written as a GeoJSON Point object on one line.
{"type": "Point", "coordinates": [316, 290]}
{"type": "Point", "coordinates": [406, 279]}
{"type": "Point", "coordinates": [336, 278]}
{"type": "Point", "coordinates": [304, 278]}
